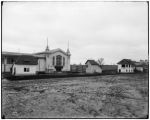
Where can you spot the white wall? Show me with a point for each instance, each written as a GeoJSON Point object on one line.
{"type": "Point", "coordinates": [49, 61]}
{"type": "Point", "coordinates": [41, 64]}
{"type": "Point", "coordinates": [20, 69]}
{"type": "Point", "coordinates": [126, 69]}
{"type": "Point", "coordinates": [93, 68]}
{"type": "Point", "coordinates": [67, 64]}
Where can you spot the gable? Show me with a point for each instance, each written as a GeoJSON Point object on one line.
{"type": "Point", "coordinates": [126, 61]}
{"type": "Point", "coordinates": [52, 52]}
{"type": "Point", "coordinates": [92, 62]}
{"type": "Point", "coordinates": [59, 51]}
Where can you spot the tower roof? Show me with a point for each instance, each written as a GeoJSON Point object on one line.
{"type": "Point", "coordinates": [47, 48]}
{"type": "Point", "coordinates": [68, 51]}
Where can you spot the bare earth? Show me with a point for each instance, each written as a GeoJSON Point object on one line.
{"type": "Point", "coordinates": [109, 96]}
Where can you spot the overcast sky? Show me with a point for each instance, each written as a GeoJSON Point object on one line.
{"type": "Point", "coordinates": [111, 30]}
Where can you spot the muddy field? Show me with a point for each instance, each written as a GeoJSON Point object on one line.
{"type": "Point", "coordinates": [111, 96]}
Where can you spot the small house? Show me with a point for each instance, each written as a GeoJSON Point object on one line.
{"type": "Point", "coordinates": [126, 66]}
{"type": "Point", "coordinates": [139, 67]}
{"type": "Point", "coordinates": [93, 67]}
{"type": "Point", "coordinates": [25, 65]}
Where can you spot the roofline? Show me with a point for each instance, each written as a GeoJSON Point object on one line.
{"type": "Point", "coordinates": [51, 52]}
{"type": "Point", "coordinates": [132, 62]}
{"type": "Point", "coordinates": [14, 53]}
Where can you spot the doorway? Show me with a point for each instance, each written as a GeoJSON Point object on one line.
{"type": "Point", "coordinates": [58, 68]}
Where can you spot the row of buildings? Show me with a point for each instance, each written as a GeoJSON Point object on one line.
{"type": "Point", "coordinates": [57, 60]}
{"type": "Point", "coordinates": [47, 61]}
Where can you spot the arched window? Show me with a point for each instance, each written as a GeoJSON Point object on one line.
{"type": "Point", "coordinates": [58, 60]}
{"type": "Point", "coordinates": [53, 60]}
{"type": "Point", "coordinates": [63, 61]}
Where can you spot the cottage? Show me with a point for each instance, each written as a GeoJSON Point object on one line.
{"type": "Point", "coordinates": [8, 59]}
{"type": "Point", "coordinates": [93, 67]}
{"type": "Point", "coordinates": [138, 67]}
{"type": "Point", "coordinates": [126, 66]}
{"type": "Point", "coordinates": [141, 66]}
{"type": "Point", "coordinates": [25, 65]}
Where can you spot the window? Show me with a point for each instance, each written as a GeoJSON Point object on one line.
{"type": "Point", "coordinates": [53, 60]}
{"type": "Point", "coordinates": [58, 60]}
{"type": "Point", "coordinates": [63, 61]}
{"type": "Point", "coordinates": [123, 65]}
{"type": "Point", "coordinates": [26, 69]}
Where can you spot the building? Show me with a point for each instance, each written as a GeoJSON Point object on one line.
{"type": "Point", "coordinates": [53, 60]}
{"type": "Point", "coordinates": [25, 65]}
{"type": "Point", "coordinates": [8, 59]}
{"type": "Point", "coordinates": [126, 66]}
{"type": "Point", "coordinates": [48, 60]}
{"type": "Point", "coordinates": [109, 69]}
{"type": "Point", "coordinates": [141, 67]}
{"type": "Point", "coordinates": [78, 68]}
{"type": "Point", "coordinates": [93, 67]}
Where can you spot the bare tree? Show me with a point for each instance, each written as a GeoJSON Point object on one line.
{"type": "Point", "coordinates": [100, 61]}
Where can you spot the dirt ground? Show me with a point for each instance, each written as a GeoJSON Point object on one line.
{"type": "Point", "coordinates": [109, 96]}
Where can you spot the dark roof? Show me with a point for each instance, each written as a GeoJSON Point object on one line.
{"type": "Point", "coordinates": [109, 67]}
{"type": "Point", "coordinates": [92, 62]}
{"type": "Point", "coordinates": [5, 53]}
{"type": "Point", "coordinates": [26, 60]}
{"type": "Point", "coordinates": [126, 61]}
{"type": "Point", "coordinates": [139, 64]}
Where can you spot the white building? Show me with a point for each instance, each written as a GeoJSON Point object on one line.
{"type": "Point", "coordinates": [139, 66]}
{"type": "Point", "coordinates": [8, 59]}
{"type": "Point", "coordinates": [93, 67]}
{"type": "Point", "coordinates": [53, 60]}
{"type": "Point", "coordinates": [48, 61]}
{"type": "Point", "coordinates": [126, 66]}
{"type": "Point", "coordinates": [25, 65]}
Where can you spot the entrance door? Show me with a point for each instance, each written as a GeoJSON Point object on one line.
{"type": "Point", "coordinates": [58, 68]}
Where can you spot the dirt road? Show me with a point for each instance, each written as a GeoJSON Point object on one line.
{"type": "Point", "coordinates": [111, 96]}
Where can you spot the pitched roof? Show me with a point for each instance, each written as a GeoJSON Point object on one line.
{"type": "Point", "coordinates": [109, 67]}
{"type": "Point", "coordinates": [126, 61]}
{"type": "Point", "coordinates": [26, 60]}
{"type": "Point", "coordinates": [5, 53]}
{"type": "Point", "coordinates": [39, 56]}
{"type": "Point", "coordinates": [52, 51]}
{"type": "Point", "coordinates": [92, 62]}
{"type": "Point", "coordinates": [139, 64]}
